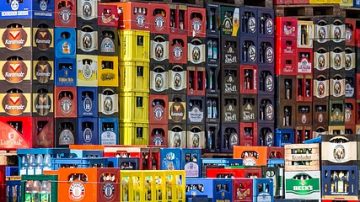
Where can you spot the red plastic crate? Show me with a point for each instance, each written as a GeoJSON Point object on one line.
{"type": "Point", "coordinates": [196, 22]}
{"type": "Point", "coordinates": [159, 18]}
{"type": "Point", "coordinates": [248, 79]}
{"type": "Point", "coordinates": [178, 49]}
{"type": "Point", "coordinates": [276, 152]}
{"type": "Point", "coordinates": [158, 109]}
{"type": "Point", "coordinates": [108, 15]}
{"type": "Point", "coordinates": [233, 172]}
{"type": "Point", "coordinates": [133, 15]}
{"type": "Point", "coordinates": [158, 135]}
{"type": "Point", "coordinates": [12, 138]}
{"type": "Point", "coordinates": [285, 45]}
{"type": "Point", "coordinates": [248, 134]}
{"type": "Point", "coordinates": [178, 19]}
{"type": "Point", "coordinates": [242, 190]}
{"type": "Point", "coordinates": [286, 26]}
{"type": "Point", "coordinates": [304, 60]}
{"type": "Point", "coordinates": [286, 65]}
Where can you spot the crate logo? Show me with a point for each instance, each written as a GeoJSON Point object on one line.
{"type": "Point", "coordinates": [177, 111]}
{"type": "Point", "coordinates": [43, 39]}
{"type": "Point", "coordinates": [269, 26]}
{"type": "Point", "coordinates": [195, 140]}
{"type": "Point", "coordinates": [339, 153]}
{"type": "Point", "coordinates": [321, 89]}
{"type": "Point", "coordinates": [269, 112]}
{"type": "Point", "coordinates": [108, 137]}
{"type": "Point", "coordinates": [43, 104]}
{"type": "Point", "coordinates": [15, 4]}
{"type": "Point", "coordinates": [159, 111]}
{"type": "Point", "coordinates": [66, 104]}
{"type": "Point", "coordinates": [252, 53]}
{"type": "Point", "coordinates": [158, 139]}
{"type": "Point", "coordinates": [14, 38]}
{"type": "Point", "coordinates": [14, 104]}
{"type": "Point", "coordinates": [10, 137]}
{"type": "Point", "coordinates": [43, 4]}
{"type": "Point", "coordinates": [108, 190]}
{"type": "Point", "coordinates": [303, 118]}
{"type": "Point", "coordinates": [337, 89]}
{"type": "Point", "coordinates": [178, 81]}
{"type": "Point", "coordinates": [195, 114]}
{"type": "Point", "coordinates": [227, 25]}
{"type": "Point", "coordinates": [87, 104]}
{"type": "Point", "coordinates": [87, 41]}
{"type": "Point", "coordinates": [337, 33]}
{"type": "Point", "coordinates": [249, 158]}
{"type": "Point", "coordinates": [87, 71]}
{"type": "Point", "coordinates": [87, 9]}
{"type": "Point", "coordinates": [159, 82]}
{"type": "Point", "coordinates": [43, 71]}
{"type": "Point", "coordinates": [159, 51]}
{"type": "Point", "coordinates": [321, 62]}
{"type": "Point", "coordinates": [107, 44]}
{"type": "Point", "coordinates": [337, 61]}
{"type": "Point", "coordinates": [87, 135]}
{"type": "Point", "coordinates": [177, 51]}
{"type": "Point", "coordinates": [230, 114]}
{"type": "Point", "coordinates": [65, 15]}
{"type": "Point", "coordinates": [159, 22]}
{"type": "Point", "coordinates": [230, 81]}
{"type": "Point", "coordinates": [288, 29]}
{"type": "Point", "coordinates": [320, 117]}
{"type": "Point", "coordinates": [269, 83]}
{"type": "Point", "coordinates": [269, 54]}
{"type": "Point", "coordinates": [108, 105]}
{"type": "Point", "coordinates": [196, 25]}
{"type": "Point", "coordinates": [348, 61]}
{"type": "Point", "coordinates": [140, 20]}
{"type": "Point", "coordinates": [304, 64]}
{"type": "Point", "coordinates": [302, 186]}
{"type": "Point", "coordinates": [66, 137]}
{"type": "Point", "coordinates": [348, 114]}
{"type": "Point", "coordinates": [196, 54]}
{"type": "Point", "coordinates": [14, 71]}
{"type": "Point", "coordinates": [77, 191]}
{"type": "Point", "coordinates": [348, 33]}
{"type": "Point", "coordinates": [252, 24]}
{"type": "Point", "coordinates": [322, 33]}
{"type": "Point", "coordinates": [107, 16]}
{"type": "Point", "coordinates": [269, 137]}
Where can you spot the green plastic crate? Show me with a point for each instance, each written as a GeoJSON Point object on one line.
{"type": "Point", "coordinates": [51, 196]}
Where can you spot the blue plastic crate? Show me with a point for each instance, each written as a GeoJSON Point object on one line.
{"type": "Point", "coordinates": [78, 162]}
{"type": "Point", "coordinates": [276, 162]}
{"type": "Point", "coordinates": [199, 187]}
{"type": "Point", "coordinates": [78, 153]}
{"type": "Point", "coordinates": [65, 44]}
{"type": "Point", "coordinates": [87, 101]}
{"type": "Point", "coordinates": [222, 190]}
{"type": "Point", "coordinates": [170, 158]}
{"type": "Point", "coordinates": [65, 72]}
{"type": "Point", "coordinates": [351, 175]}
{"type": "Point", "coordinates": [109, 131]}
{"type": "Point", "coordinates": [87, 132]}
{"type": "Point", "coordinates": [11, 171]}
{"type": "Point", "coordinates": [27, 9]}
{"type": "Point", "coordinates": [263, 189]}
{"type": "Point", "coordinates": [124, 163]}
{"type": "Point", "coordinates": [219, 162]}
{"type": "Point", "coordinates": [13, 189]}
{"type": "Point", "coordinates": [191, 162]}
{"type": "Point", "coordinates": [284, 136]}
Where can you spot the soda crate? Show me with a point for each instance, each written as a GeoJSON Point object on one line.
{"type": "Point", "coordinates": [65, 102]}
{"type": "Point", "coordinates": [108, 71]}
{"type": "Point", "coordinates": [285, 45]}
{"type": "Point", "coordinates": [303, 133]}
{"type": "Point", "coordinates": [248, 109]}
{"type": "Point", "coordinates": [178, 21]}
{"type": "Point", "coordinates": [230, 137]}
{"type": "Point", "coordinates": [350, 84]}
{"type": "Point", "coordinates": [177, 75]}
{"type": "Point", "coordinates": [134, 133]}
{"type": "Point", "coordinates": [230, 80]}
{"type": "Point", "coordinates": [160, 18]}
{"type": "Point", "coordinates": [134, 77]}
{"type": "Point", "coordinates": [108, 41]}
{"type": "Point", "coordinates": [87, 132]}
{"type": "Point", "coordinates": [286, 115]}
{"type": "Point", "coordinates": [242, 190]}
{"type": "Point", "coordinates": [87, 70]}
{"type": "Point", "coordinates": [230, 109]}
{"type": "Point", "coordinates": [159, 79]}
{"type": "Point", "coordinates": [196, 18]}
{"type": "Point", "coordinates": [263, 189]}
{"type": "Point", "coordinates": [223, 190]}
{"type": "Point", "coordinates": [41, 154]}
{"type": "Point", "coordinates": [248, 172]}
{"type": "Point", "coordinates": [343, 149]}
{"type": "Point", "coordinates": [65, 132]}
{"type": "Point", "coordinates": [266, 134]}
{"type": "Point", "coordinates": [350, 28]}
{"type": "Point", "coordinates": [195, 136]}
{"type": "Point", "coordinates": [251, 156]}
{"type": "Point", "coordinates": [276, 174]}
{"type": "Point", "coordinates": [321, 59]}
{"type": "Point", "coordinates": [196, 110]}
{"type": "Point", "coordinates": [173, 163]}
{"type": "Point", "coordinates": [350, 112]}
{"type": "Point", "coordinates": [47, 182]}
{"type": "Point", "coordinates": [249, 24]}
{"type": "Point", "coordinates": [108, 131]}
{"type": "Point", "coordinates": [266, 50]}
{"type": "Point", "coordinates": [303, 114]}
{"type": "Point", "coordinates": [229, 50]}
{"type": "Point", "coordinates": [338, 177]}
{"type": "Point", "coordinates": [196, 80]}
{"type": "Point", "coordinates": [213, 80]}
{"type": "Point", "coordinates": [158, 109]}
{"type": "Point", "coordinates": [266, 22]}
{"type": "Point", "coordinates": [199, 187]}
{"type": "Point", "coordinates": [124, 163]}
{"type": "Point", "coordinates": [213, 137]}
{"type": "Point", "coordinates": [305, 60]}
{"type": "Point", "coordinates": [43, 70]}
{"type": "Point", "coordinates": [88, 179]}
{"type": "Point", "coordinates": [266, 110]}
{"type": "Point", "coordinates": [212, 102]}
{"type": "Point", "coordinates": [337, 29]}
{"type": "Point", "coordinates": [305, 34]}
{"type": "Point", "coordinates": [191, 162]}
{"type": "Point", "coordinates": [134, 45]}
{"type": "Point", "coordinates": [66, 13]}
{"type": "Point", "coordinates": [248, 79]}
{"type": "Point", "coordinates": [27, 10]}
{"type": "Point", "coordinates": [134, 107]}
{"type": "Point", "coordinates": [107, 15]}
{"type": "Point", "coordinates": [43, 38]}
{"type": "Point", "coordinates": [248, 134]}
{"type": "Point", "coordinates": [87, 101]}
{"type": "Point", "coordinates": [286, 65]}
{"type": "Point", "coordinates": [196, 51]}
{"type": "Point", "coordinates": [65, 43]}
{"type": "Point", "coordinates": [286, 26]}
{"type": "Point", "coordinates": [304, 185]}
{"type": "Point", "coordinates": [336, 112]}
{"type": "Point", "coordinates": [43, 100]}
{"type": "Point", "coordinates": [13, 188]}
{"type": "Point", "coordinates": [158, 135]}
{"type": "Point", "coordinates": [302, 157]}
{"type": "Point", "coordinates": [65, 72]}
{"type": "Point", "coordinates": [87, 12]}
{"type": "Point", "coordinates": [87, 39]}
{"type": "Point", "coordinates": [108, 101]}
{"type": "Point", "coordinates": [159, 48]}
{"type": "Point", "coordinates": [284, 136]}
{"type": "Point", "coordinates": [177, 135]}
{"type": "Point", "coordinates": [248, 50]}
{"type": "Point", "coordinates": [178, 49]}
{"type": "Point", "coordinates": [177, 108]}
{"type": "Point", "coordinates": [266, 80]}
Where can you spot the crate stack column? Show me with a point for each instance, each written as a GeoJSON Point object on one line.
{"type": "Point", "coordinates": [26, 63]}
{"type": "Point", "coordinates": [357, 79]}
{"type": "Point", "coordinates": [213, 79]}
{"type": "Point", "coordinates": [230, 46]}
{"type": "Point", "coordinates": [350, 77]}
{"type": "Point", "coordinates": [196, 77]}
{"type": "Point", "coordinates": [87, 72]}
{"type": "Point", "coordinates": [286, 71]}
{"type": "Point", "coordinates": [107, 75]}
{"type": "Point", "coordinates": [136, 21]}
{"type": "Point", "coordinates": [65, 93]}
{"type": "Point", "coordinates": [159, 65]}
{"type": "Point", "coordinates": [265, 77]}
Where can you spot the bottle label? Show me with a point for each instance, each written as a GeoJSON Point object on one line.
{"type": "Point", "coordinates": [88, 41]}
{"type": "Point", "coordinates": [108, 104]}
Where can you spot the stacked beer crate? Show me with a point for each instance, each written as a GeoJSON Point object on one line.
{"type": "Point", "coordinates": [213, 78]}
{"type": "Point", "coordinates": [27, 55]}
{"type": "Point", "coordinates": [65, 93]}
{"type": "Point", "coordinates": [105, 97]}
{"type": "Point", "coordinates": [135, 23]}
{"type": "Point", "coordinates": [87, 72]}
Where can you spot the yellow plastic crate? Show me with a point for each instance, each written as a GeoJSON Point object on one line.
{"type": "Point", "coordinates": [134, 77]}
{"type": "Point", "coordinates": [175, 186]}
{"type": "Point", "coordinates": [131, 186]}
{"type": "Point", "coordinates": [318, 1]}
{"type": "Point", "coordinates": [134, 133]}
{"type": "Point", "coordinates": [134, 45]}
{"type": "Point", "coordinates": [346, 3]}
{"type": "Point", "coordinates": [134, 107]}
{"type": "Point", "coordinates": [108, 71]}
{"type": "Point", "coordinates": [333, 1]}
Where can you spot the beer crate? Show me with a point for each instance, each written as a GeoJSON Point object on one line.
{"type": "Point", "coordinates": [213, 52]}
{"type": "Point", "coordinates": [134, 46]}
{"type": "Point", "coordinates": [248, 109]}
{"type": "Point", "coordinates": [65, 102]}
{"type": "Point", "coordinates": [87, 101]}
{"type": "Point", "coordinates": [177, 135]}
{"type": "Point", "coordinates": [230, 109]}
{"type": "Point", "coordinates": [87, 70]}
{"type": "Point", "coordinates": [107, 15]}
{"type": "Point", "coordinates": [124, 163]}
{"type": "Point", "coordinates": [13, 188]}
{"type": "Point", "coordinates": [43, 100]}
{"type": "Point", "coordinates": [27, 10]}
{"type": "Point", "coordinates": [306, 185]}
{"type": "Point", "coordinates": [350, 27]}
{"type": "Point", "coordinates": [108, 131]}
{"type": "Point", "coordinates": [196, 110]}
{"type": "Point", "coordinates": [212, 102]}
{"type": "Point", "coordinates": [108, 101]}
{"type": "Point", "coordinates": [249, 25]}
{"type": "Point", "coordinates": [129, 19]}
{"type": "Point", "coordinates": [65, 43]}
{"type": "Point", "coordinates": [263, 189]}
{"type": "Point", "coordinates": [266, 50]}
{"type": "Point", "coordinates": [191, 162]}
{"type": "Point", "coordinates": [286, 26]}
{"type": "Point", "coordinates": [178, 22]}
{"type": "Point", "coordinates": [160, 18]}
{"type": "Point", "coordinates": [108, 41]}
{"type": "Point", "coordinates": [134, 107]}
{"type": "Point", "coordinates": [305, 34]}
{"type": "Point", "coordinates": [108, 71]}
{"type": "Point", "coordinates": [65, 132]}
{"type": "Point", "coordinates": [158, 109]}
{"type": "Point", "coordinates": [248, 79]}
{"type": "Point", "coordinates": [199, 187]}
{"type": "Point", "coordinates": [177, 108]}
{"type": "Point", "coordinates": [248, 49]}
{"type": "Point", "coordinates": [196, 80]}
{"type": "Point", "coordinates": [350, 84]}
{"type": "Point", "coordinates": [158, 134]}
{"type": "Point", "coordinates": [248, 172]}
{"type": "Point", "coordinates": [304, 114]}
{"type": "Point", "coordinates": [277, 176]}
{"type": "Point", "coordinates": [159, 48]}
{"type": "Point", "coordinates": [302, 157]}
{"type": "Point", "coordinates": [134, 77]}
{"type": "Point", "coordinates": [248, 134]}
{"type": "Point", "coordinates": [171, 158]}
{"type": "Point", "coordinates": [178, 49]}
{"type": "Point", "coordinates": [47, 183]}
{"type": "Point", "coordinates": [266, 22]}
{"type": "Point", "coordinates": [43, 70]}
{"type": "Point", "coordinates": [213, 137]}
{"type": "Point", "coordinates": [266, 109]}
{"type": "Point", "coordinates": [65, 72]}
{"type": "Point", "coordinates": [134, 133]}
{"type": "Point", "coordinates": [219, 163]}
{"type": "Point", "coordinates": [196, 18]}
{"type": "Point", "coordinates": [195, 136]}
{"type": "Point", "coordinates": [222, 190]}
{"type": "Point", "coordinates": [83, 152]}
{"type": "Point", "coordinates": [87, 39]}
{"type": "Point", "coordinates": [266, 134]}
{"type": "Point", "coordinates": [229, 51]}
{"type": "Point", "coordinates": [242, 190]}
{"type": "Point", "coordinates": [303, 133]}
{"type": "Point", "coordinates": [252, 156]}
{"type": "Point", "coordinates": [20, 129]}
{"type": "Point", "coordinates": [228, 14]}
{"type": "Point", "coordinates": [230, 81]}
{"type": "Point", "coordinates": [230, 137]}
{"type": "Point", "coordinates": [196, 51]}
{"type": "Point", "coordinates": [284, 136]}
{"type": "Point", "coordinates": [266, 80]}
{"type": "Point", "coordinates": [159, 79]}
{"type": "Point", "coordinates": [65, 13]}
{"type": "Point", "coordinates": [87, 132]}
{"type": "Point", "coordinates": [87, 12]}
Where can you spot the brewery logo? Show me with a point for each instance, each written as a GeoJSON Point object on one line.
{"type": "Point", "coordinates": [108, 190]}
{"type": "Point", "coordinates": [66, 137]}
{"type": "Point", "coordinates": [252, 24]}
{"type": "Point", "coordinates": [108, 105]}
{"type": "Point", "coordinates": [196, 54]}
{"type": "Point", "coordinates": [195, 114]}
{"type": "Point", "coordinates": [321, 89]}
{"type": "Point", "coordinates": [158, 140]}
{"type": "Point", "coordinates": [159, 111]}
{"type": "Point", "coordinates": [269, 26]}
{"type": "Point", "coordinates": [87, 9]}
{"type": "Point", "coordinates": [337, 88]}
{"type": "Point", "coordinates": [339, 152]}
{"type": "Point", "coordinates": [87, 41]}
{"type": "Point", "coordinates": [303, 118]}
{"type": "Point", "coordinates": [107, 16]}
{"type": "Point", "coordinates": [321, 62]}
{"type": "Point", "coordinates": [269, 139]}
{"type": "Point", "coordinates": [87, 104]}
{"type": "Point", "coordinates": [43, 71]}
{"type": "Point", "coordinates": [348, 61]}
{"type": "Point", "coordinates": [176, 141]}
{"type": "Point", "coordinates": [177, 52]}
{"type": "Point", "coordinates": [177, 111]}
{"type": "Point", "coordinates": [66, 48]}
{"type": "Point", "coordinates": [43, 5]}
{"type": "Point", "coordinates": [269, 112]}
{"type": "Point", "coordinates": [320, 118]}
{"type": "Point", "coordinates": [252, 53]}
{"type": "Point", "coordinates": [108, 138]}
{"type": "Point", "coordinates": [159, 51]}
{"type": "Point", "coordinates": [77, 191]}
{"type": "Point", "coordinates": [43, 39]}
{"type": "Point", "coordinates": [269, 83]}
{"type": "Point", "coordinates": [66, 105]}
{"type": "Point", "coordinates": [269, 54]}
{"type": "Point", "coordinates": [43, 104]}
{"type": "Point", "coordinates": [337, 61]}
{"type": "Point", "coordinates": [87, 70]}
{"type": "Point", "coordinates": [14, 38]}
{"type": "Point", "coordinates": [15, 4]}
{"type": "Point", "coordinates": [234, 140]}
{"type": "Point", "coordinates": [87, 135]}
{"type": "Point", "coordinates": [196, 25]}
{"type": "Point", "coordinates": [349, 90]}
{"type": "Point", "coordinates": [304, 66]}
{"type": "Point", "coordinates": [159, 81]}
{"type": "Point", "coordinates": [322, 33]}
{"type": "Point", "coordinates": [337, 33]}
{"type": "Point", "coordinates": [347, 114]}
{"type": "Point", "coordinates": [348, 34]}
{"type": "Point", "coordinates": [140, 20]}
{"type": "Point", "coordinates": [248, 158]}
{"type": "Point", "coordinates": [159, 22]}
{"type": "Point", "coordinates": [177, 81]}
{"type": "Point", "coordinates": [14, 104]}
{"type": "Point", "coordinates": [195, 140]}
{"type": "Point", "coordinates": [107, 45]}
{"type": "Point", "coordinates": [14, 71]}
{"type": "Point", "coordinates": [227, 24]}
{"type": "Point", "coordinates": [65, 15]}
{"type": "Point", "coordinates": [229, 83]}
{"type": "Point", "coordinates": [288, 30]}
